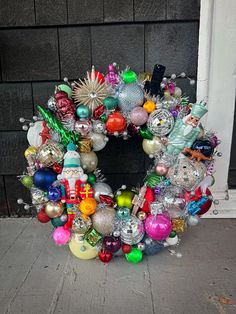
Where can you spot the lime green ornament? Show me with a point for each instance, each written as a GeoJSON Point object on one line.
{"type": "Point", "coordinates": [129, 76]}
{"type": "Point", "coordinates": [110, 103]}
{"type": "Point", "coordinates": [27, 181]}
{"type": "Point", "coordinates": [145, 133]}
{"type": "Point", "coordinates": [65, 88]}
{"type": "Point", "coordinates": [66, 135]}
{"type": "Point", "coordinates": [124, 199]}
{"type": "Point", "coordinates": [135, 256]}
{"type": "Point", "coordinates": [91, 178]}
{"type": "Point", "coordinates": [152, 179]}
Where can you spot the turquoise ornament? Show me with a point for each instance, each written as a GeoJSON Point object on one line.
{"type": "Point", "coordinates": [82, 112]}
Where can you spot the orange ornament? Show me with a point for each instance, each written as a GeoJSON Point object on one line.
{"type": "Point", "coordinates": [115, 122]}
{"type": "Point", "coordinates": [149, 106]}
{"type": "Point", "coordinates": [87, 206]}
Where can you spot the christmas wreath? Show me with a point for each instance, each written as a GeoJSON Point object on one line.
{"type": "Point", "coordinates": [68, 189]}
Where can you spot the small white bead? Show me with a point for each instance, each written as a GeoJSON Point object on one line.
{"type": "Point", "coordinates": [118, 193]}
{"type": "Point", "coordinates": [26, 207]}
{"type": "Point", "coordinates": [35, 118]}
{"type": "Point", "coordinates": [192, 82]}
{"type": "Point", "coordinates": [106, 139]}
{"type": "Point", "coordinates": [164, 79]}
{"type": "Point", "coordinates": [20, 201]}
{"type": "Point", "coordinates": [25, 127]}
{"type": "Point", "coordinates": [163, 85]}
{"type": "Point", "coordinates": [151, 156]}
{"type": "Point", "coordinates": [22, 120]}
{"type": "Point", "coordinates": [65, 79]}
{"type": "Point", "coordinates": [182, 74]}
{"type": "Point", "coordinates": [125, 133]}
{"type": "Point", "coordinates": [178, 255]}
{"type": "Point", "coordinates": [72, 85]}
{"type": "Point", "coordinates": [173, 76]}
{"type": "Point", "coordinates": [31, 124]}
{"type": "Point", "coordinates": [116, 134]}
{"type": "Point", "coordinates": [123, 187]}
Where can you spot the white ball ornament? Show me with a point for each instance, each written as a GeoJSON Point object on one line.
{"type": "Point", "coordinates": [33, 134]}
{"type": "Point", "coordinates": [99, 141]}
{"type": "Point", "coordinates": [172, 241]}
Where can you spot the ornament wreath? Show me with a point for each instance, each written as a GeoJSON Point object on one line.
{"type": "Point", "coordinates": [68, 189]}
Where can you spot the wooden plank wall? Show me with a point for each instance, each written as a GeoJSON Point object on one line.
{"type": "Point", "coordinates": [41, 42]}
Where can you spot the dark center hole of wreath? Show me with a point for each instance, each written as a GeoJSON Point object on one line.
{"type": "Point", "coordinates": [123, 162]}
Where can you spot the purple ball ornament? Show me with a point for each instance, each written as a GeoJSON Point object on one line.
{"type": "Point", "coordinates": [112, 244]}
{"type": "Point", "coordinates": [44, 178]}
{"type": "Point", "coordinates": [54, 194]}
{"type": "Point", "coordinates": [158, 227]}
{"type": "Point", "coordinates": [138, 116]}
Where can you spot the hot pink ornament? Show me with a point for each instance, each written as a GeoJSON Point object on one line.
{"type": "Point", "coordinates": [112, 77]}
{"type": "Point", "coordinates": [138, 116]}
{"type": "Point", "coordinates": [61, 235]}
{"type": "Point", "coordinates": [158, 227]}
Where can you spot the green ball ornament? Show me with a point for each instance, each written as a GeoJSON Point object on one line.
{"type": "Point", "coordinates": [110, 103]}
{"type": "Point", "coordinates": [145, 133]}
{"type": "Point", "coordinates": [82, 112]}
{"type": "Point", "coordinates": [129, 77]}
{"type": "Point", "coordinates": [27, 181]}
{"type": "Point", "coordinates": [103, 117]}
{"type": "Point", "coordinates": [57, 222]}
{"type": "Point", "coordinates": [135, 256]}
{"type": "Point", "coordinates": [65, 88]}
{"type": "Point", "coordinates": [91, 178]}
{"type": "Point", "coordinates": [172, 234]}
{"type": "Point", "coordinates": [152, 179]}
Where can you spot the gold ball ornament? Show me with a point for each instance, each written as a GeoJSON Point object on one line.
{"type": "Point", "coordinates": [31, 150]}
{"type": "Point", "coordinates": [141, 215]}
{"type": "Point", "coordinates": [154, 146]}
{"type": "Point", "coordinates": [103, 220]}
{"type": "Point", "coordinates": [124, 199]}
{"type": "Point", "coordinates": [82, 249]}
{"type": "Point", "coordinates": [54, 209]}
{"type": "Point", "coordinates": [89, 161]}
{"type": "Point", "coordinates": [51, 152]}
{"type": "Point", "coordinates": [149, 106]}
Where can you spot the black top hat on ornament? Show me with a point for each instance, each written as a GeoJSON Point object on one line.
{"type": "Point", "coordinates": [153, 87]}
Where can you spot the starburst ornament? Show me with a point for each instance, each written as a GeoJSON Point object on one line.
{"type": "Point", "coordinates": [90, 92]}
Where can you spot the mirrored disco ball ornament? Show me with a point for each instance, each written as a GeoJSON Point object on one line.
{"type": "Point", "coordinates": [51, 152]}
{"type": "Point", "coordinates": [160, 122]}
{"type": "Point", "coordinates": [81, 224]}
{"type": "Point", "coordinates": [130, 96]}
{"type": "Point", "coordinates": [132, 231]}
{"type": "Point", "coordinates": [186, 173]}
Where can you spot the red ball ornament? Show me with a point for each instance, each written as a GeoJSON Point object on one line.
{"type": "Point", "coordinates": [115, 122]}
{"type": "Point", "coordinates": [126, 248]}
{"type": "Point", "coordinates": [105, 199]}
{"type": "Point", "coordinates": [105, 256]}
{"type": "Point", "coordinates": [149, 198]}
{"type": "Point", "coordinates": [196, 197]}
{"type": "Point", "coordinates": [57, 168]}
{"type": "Point", "coordinates": [98, 111]}
{"type": "Point", "coordinates": [99, 75]}
{"type": "Point", "coordinates": [43, 217]}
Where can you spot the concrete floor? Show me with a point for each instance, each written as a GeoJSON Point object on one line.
{"type": "Point", "coordinates": [38, 277]}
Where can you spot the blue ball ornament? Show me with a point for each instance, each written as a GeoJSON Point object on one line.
{"type": "Point", "coordinates": [43, 178]}
{"type": "Point", "coordinates": [123, 213]}
{"type": "Point", "coordinates": [204, 146]}
{"type": "Point", "coordinates": [54, 194]}
{"type": "Point", "coordinates": [82, 112]}
{"type": "Point", "coordinates": [152, 247]}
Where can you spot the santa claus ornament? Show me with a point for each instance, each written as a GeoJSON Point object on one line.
{"type": "Point", "coordinates": [68, 188]}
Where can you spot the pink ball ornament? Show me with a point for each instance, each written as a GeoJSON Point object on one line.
{"type": "Point", "coordinates": [161, 169]}
{"type": "Point", "coordinates": [138, 116]}
{"type": "Point", "coordinates": [61, 236]}
{"type": "Point", "coordinates": [158, 227]}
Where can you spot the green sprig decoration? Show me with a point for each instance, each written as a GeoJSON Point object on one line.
{"type": "Point", "coordinates": [152, 179]}
{"type": "Point", "coordinates": [66, 135]}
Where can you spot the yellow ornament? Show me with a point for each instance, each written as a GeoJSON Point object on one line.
{"type": "Point", "coordinates": [125, 199]}
{"type": "Point", "coordinates": [178, 225]}
{"type": "Point", "coordinates": [88, 206]}
{"type": "Point", "coordinates": [149, 106]}
{"type": "Point", "coordinates": [81, 248]}
{"type": "Point", "coordinates": [31, 150]}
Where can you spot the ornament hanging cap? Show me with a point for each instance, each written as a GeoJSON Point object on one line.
{"type": "Point", "coordinates": [72, 157]}
{"type": "Point", "coordinates": [198, 110]}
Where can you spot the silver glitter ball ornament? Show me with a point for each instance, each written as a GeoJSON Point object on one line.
{"type": "Point", "coordinates": [104, 219]}
{"type": "Point", "coordinates": [132, 231]}
{"type": "Point", "coordinates": [98, 126]}
{"type": "Point", "coordinates": [101, 188]}
{"type": "Point", "coordinates": [52, 103]}
{"type": "Point", "coordinates": [186, 173]}
{"type": "Point", "coordinates": [130, 96]}
{"type": "Point", "coordinates": [160, 122]}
